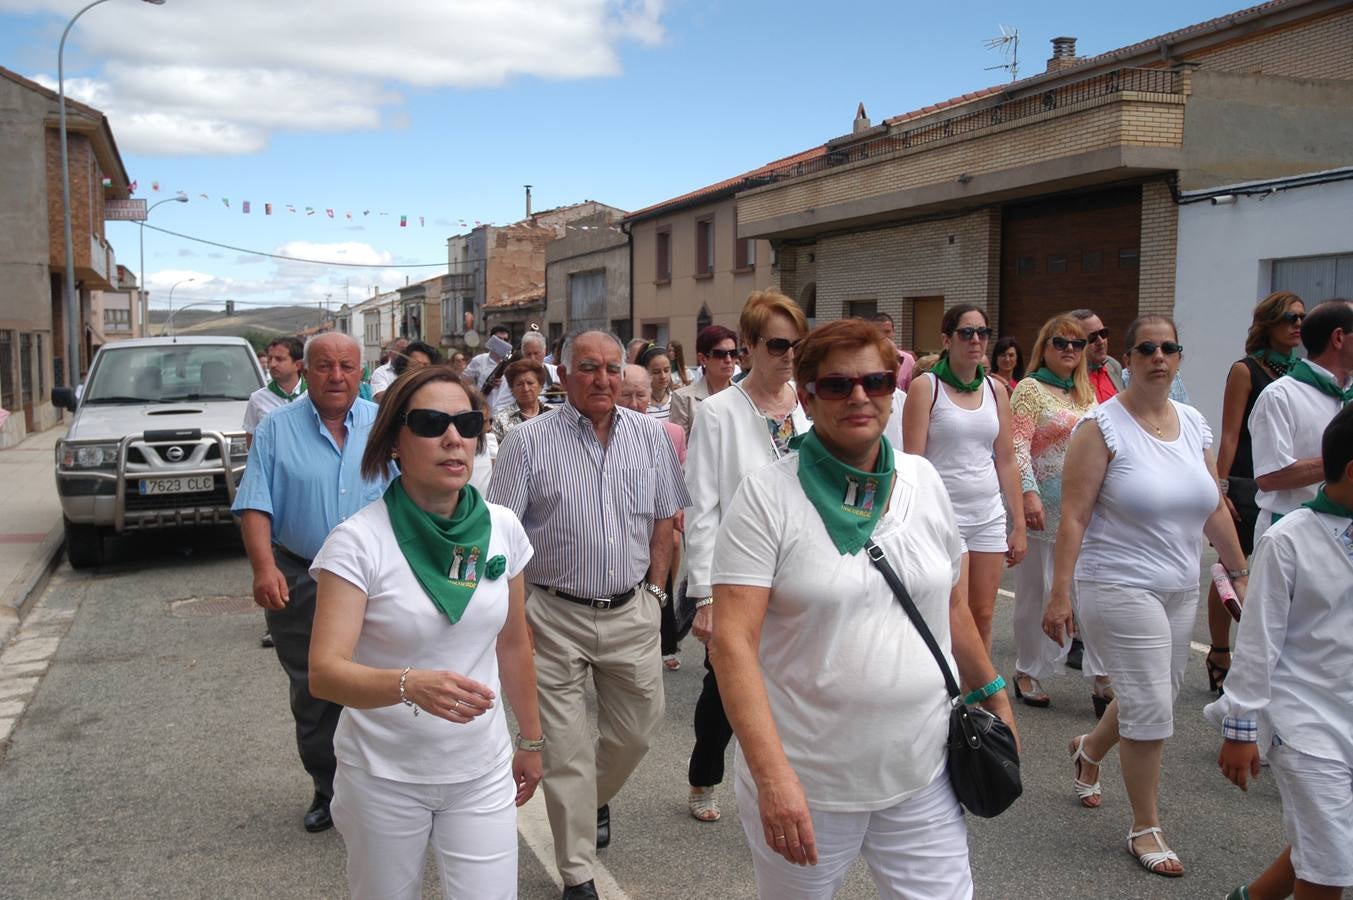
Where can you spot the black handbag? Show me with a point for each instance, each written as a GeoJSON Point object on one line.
{"type": "Point", "coordinates": [983, 759]}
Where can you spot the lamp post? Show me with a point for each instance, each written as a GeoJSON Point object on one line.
{"type": "Point", "coordinates": [145, 301]}
{"type": "Point", "coordinates": [170, 323]}
{"type": "Point", "coordinates": [73, 324]}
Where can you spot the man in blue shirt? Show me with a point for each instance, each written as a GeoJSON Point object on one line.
{"type": "Point", "coordinates": [302, 480]}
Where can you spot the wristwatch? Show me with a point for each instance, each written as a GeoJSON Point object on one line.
{"type": "Point", "coordinates": [656, 592]}
{"type": "Point", "coordinates": [530, 746]}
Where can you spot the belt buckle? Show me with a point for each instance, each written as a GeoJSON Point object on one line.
{"type": "Point", "coordinates": [602, 603]}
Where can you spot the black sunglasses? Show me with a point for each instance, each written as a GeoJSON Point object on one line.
{"type": "Point", "coordinates": [1294, 318]}
{"type": "Point", "coordinates": [432, 423]}
{"type": "Point", "coordinates": [968, 333]}
{"type": "Point", "coordinates": [1100, 335]}
{"type": "Point", "coordinates": [778, 346]}
{"type": "Point", "coordinates": [839, 387]}
{"type": "Point", "coordinates": [1149, 348]}
{"type": "Point", "coordinates": [1062, 343]}
{"type": "Point", "coordinates": [723, 354]}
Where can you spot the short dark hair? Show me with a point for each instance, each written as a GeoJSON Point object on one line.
{"type": "Point", "coordinates": [712, 336]}
{"type": "Point", "coordinates": [843, 334]}
{"type": "Point", "coordinates": [295, 348]}
{"type": "Point", "coordinates": [501, 329]}
{"type": "Point", "coordinates": [401, 360]}
{"type": "Point", "coordinates": [881, 317]}
{"type": "Point", "coordinates": [525, 367]}
{"type": "Point", "coordinates": [380, 442]}
{"type": "Point", "coordinates": [1005, 344]}
{"type": "Point", "coordinates": [1336, 445]}
{"type": "Point", "coordinates": [1321, 323]}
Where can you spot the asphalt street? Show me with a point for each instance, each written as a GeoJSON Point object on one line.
{"type": "Point", "coordinates": [156, 760]}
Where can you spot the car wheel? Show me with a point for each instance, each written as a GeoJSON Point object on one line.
{"type": "Point", "coordinates": [84, 545]}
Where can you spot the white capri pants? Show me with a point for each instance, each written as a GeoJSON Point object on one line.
{"type": "Point", "coordinates": [916, 849]}
{"type": "Point", "coordinates": [387, 827]}
{"type": "Point", "coordinates": [1141, 637]}
{"type": "Point", "coordinates": [1036, 654]}
{"type": "Point", "coordinates": [1317, 813]}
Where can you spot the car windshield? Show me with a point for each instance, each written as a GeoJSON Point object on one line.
{"type": "Point", "coordinates": [173, 372]}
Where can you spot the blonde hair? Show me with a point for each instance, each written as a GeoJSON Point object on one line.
{"type": "Point", "coordinates": [1065, 325]}
{"type": "Point", "coordinates": [758, 309]}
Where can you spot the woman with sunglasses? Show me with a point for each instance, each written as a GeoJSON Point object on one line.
{"type": "Point", "coordinates": [1138, 488]}
{"type": "Point", "coordinates": [959, 418]}
{"type": "Point", "coordinates": [419, 630]}
{"type": "Point", "coordinates": [840, 711]}
{"type": "Point", "coordinates": [1045, 409]}
{"type": "Point", "coordinates": [716, 350]}
{"type": "Point", "coordinates": [736, 432]}
{"type": "Point", "coordinates": [1270, 350]}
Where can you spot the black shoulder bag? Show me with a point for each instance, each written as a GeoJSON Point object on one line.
{"type": "Point", "coordinates": [983, 759]}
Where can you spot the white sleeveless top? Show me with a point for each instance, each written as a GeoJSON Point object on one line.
{"type": "Point", "coordinates": [960, 445]}
{"type": "Point", "coordinates": [1147, 526]}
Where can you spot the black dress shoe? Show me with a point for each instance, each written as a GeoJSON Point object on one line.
{"type": "Point", "coordinates": [1073, 656]}
{"type": "Point", "coordinates": [266, 640]}
{"type": "Point", "coordinates": [603, 831]}
{"type": "Point", "coordinates": [317, 817]}
{"type": "Point", "coordinates": [585, 891]}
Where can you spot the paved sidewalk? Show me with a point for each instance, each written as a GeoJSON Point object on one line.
{"type": "Point", "coordinates": [30, 523]}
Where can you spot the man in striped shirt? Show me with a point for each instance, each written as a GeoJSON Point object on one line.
{"type": "Point", "coordinates": [596, 488]}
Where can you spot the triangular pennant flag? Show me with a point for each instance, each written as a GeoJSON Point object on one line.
{"type": "Point", "coordinates": [348, 215]}
{"type": "Point", "coordinates": [329, 213]}
{"type": "Point", "coordinates": [420, 221]}
{"type": "Point", "coordinates": [246, 207]}
{"type": "Point", "coordinates": [267, 209]}
{"type": "Point", "coordinates": [226, 201]}
{"type": "Point", "coordinates": [309, 210]}
{"type": "Point", "coordinates": [403, 221]}
{"type": "Point", "coordinates": [290, 208]}
{"type": "Point", "coordinates": [366, 212]}
{"type": "Point", "coordinates": [131, 188]}
{"type": "Point", "coordinates": [155, 186]}
{"type": "Point", "coordinates": [204, 196]}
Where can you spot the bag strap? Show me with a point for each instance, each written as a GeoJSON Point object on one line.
{"type": "Point", "coordinates": [900, 591]}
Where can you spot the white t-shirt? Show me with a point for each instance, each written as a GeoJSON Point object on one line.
{"type": "Point", "coordinates": [961, 443]}
{"type": "Point", "coordinates": [261, 402]}
{"type": "Point", "coordinates": [402, 627]}
{"type": "Point", "coordinates": [1147, 526]}
{"type": "Point", "coordinates": [1286, 424]}
{"type": "Point", "coordinates": [858, 700]}
{"type": "Point", "coordinates": [481, 472]}
{"type": "Point", "coordinates": [893, 430]}
{"type": "Point", "coordinates": [382, 378]}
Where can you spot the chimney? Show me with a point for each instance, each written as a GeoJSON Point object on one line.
{"type": "Point", "coordinates": [862, 122]}
{"type": "Point", "coordinates": [1063, 54]}
{"type": "Point", "coordinates": [528, 201]}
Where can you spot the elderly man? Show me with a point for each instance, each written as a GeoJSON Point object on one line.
{"type": "Point", "coordinates": [1106, 373]}
{"type": "Point", "coordinates": [496, 388]}
{"type": "Point", "coordinates": [596, 488]}
{"type": "Point", "coordinates": [302, 480]}
{"type": "Point", "coordinates": [384, 374]}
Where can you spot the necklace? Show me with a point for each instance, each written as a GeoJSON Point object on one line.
{"type": "Point", "coordinates": [1160, 432]}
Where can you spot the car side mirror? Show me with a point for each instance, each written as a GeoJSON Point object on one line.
{"type": "Point", "coordinates": [64, 398]}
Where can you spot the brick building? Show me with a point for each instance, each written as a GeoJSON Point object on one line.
{"type": "Point", "coordinates": [32, 244]}
{"type": "Point", "coordinates": [587, 279]}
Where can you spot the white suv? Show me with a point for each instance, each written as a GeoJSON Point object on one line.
{"type": "Point", "coordinates": [157, 440]}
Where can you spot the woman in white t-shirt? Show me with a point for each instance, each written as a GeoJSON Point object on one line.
{"type": "Point", "coordinates": [419, 627]}
{"type": "Point", "coordinates": [958, 417]}
{"type": "Point", "coordinates": [1139, 487]}
{"type": "Point", "coordinates": [840, 711]}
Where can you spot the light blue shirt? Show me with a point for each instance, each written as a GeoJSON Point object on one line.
{"type": "Point", "coordinates": [299, 476]}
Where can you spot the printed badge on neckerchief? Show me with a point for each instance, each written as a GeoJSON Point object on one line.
{"type": "Point", "coordinates": [849, 501]}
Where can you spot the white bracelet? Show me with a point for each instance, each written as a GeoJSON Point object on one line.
{"type": "Point", "coordinates": [402, 698]}
{"type": "Point", "coordinates": [703, 602]}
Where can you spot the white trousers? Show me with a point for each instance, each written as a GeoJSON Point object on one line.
{"type": "Point", "coordinates": [1318, 813]}
{"type": "Point", "coordinates": [916, 850]}
{"type": "Point", "coordinates": [1036, 654]}
{"type": "Point", "coordinates": [1141, 637]}
{"type": "Point", "coordinates": [387, 827]}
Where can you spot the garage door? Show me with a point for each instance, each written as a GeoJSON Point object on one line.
{"type": "Point", "coordinates": [1315, 278]}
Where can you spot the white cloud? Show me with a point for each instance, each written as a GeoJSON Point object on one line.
{"type": "Point", "coordinates": [219, 78]}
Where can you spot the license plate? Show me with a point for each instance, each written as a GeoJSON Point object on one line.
{"type": "Point", "coordinates": [193, 484]}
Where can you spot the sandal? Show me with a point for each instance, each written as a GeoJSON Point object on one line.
{"type": "Point", "coordinates": [702, 805]}
{"type": "Point", "coordinates": [1216, 674]}
{"type": "Point", "coordinates": [1240, 893]}
{"type": "Point", "coordinates": [1086, 792]}
{"type": "Point", "coordinates": [671, 662]}
{"type": "Point", "coordinates": [1154, 860]}
{"type": "Point", "coordinates": [1101, 695]}
{"type": "Point", "coordinates": [1035, 695]}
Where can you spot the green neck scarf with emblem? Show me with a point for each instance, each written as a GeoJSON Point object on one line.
{"type": "Point", "coordinates": [849, 501]}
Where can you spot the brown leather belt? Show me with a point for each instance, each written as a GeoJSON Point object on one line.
{"type": "Point", "coordinates": [613, 602]}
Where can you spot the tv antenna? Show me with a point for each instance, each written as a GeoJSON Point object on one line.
{"type": "Point", "coordinates": [1008, 45]}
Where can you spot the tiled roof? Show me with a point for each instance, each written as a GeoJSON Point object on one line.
{"type": "Point", "coordinates": [533, 294]}
{"type": "Point", "coordinates": [728, 185]}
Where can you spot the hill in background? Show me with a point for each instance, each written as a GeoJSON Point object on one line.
{"type": "Point", "coordinates": [256, 324]}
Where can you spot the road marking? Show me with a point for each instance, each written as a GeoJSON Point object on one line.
{"type": "Point", "coordinates": [1004, 593]}
{"type": "Point", "coordinates": [1193, 645]}
{"type": "Point", "coordinates": [534, 827]}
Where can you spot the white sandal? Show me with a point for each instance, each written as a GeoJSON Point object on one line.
{"type": "Point", "coordinates": [1084, 791]}
{"type": "Point", "coordinates": [703, 806]}
{"type": "Point", "coordinates": [1153, 860]}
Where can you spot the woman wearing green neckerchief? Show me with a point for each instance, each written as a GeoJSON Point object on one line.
{"type": "Point", "coordinates": [420, 627]}
{"type": "Point", "coordinates": [839, 709]}
{"type": "Point", "coordinates": [958, 417]}
{"type": "Point", "coordinates": [1270, 351]}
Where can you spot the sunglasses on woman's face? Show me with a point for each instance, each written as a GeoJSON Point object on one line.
{"type": "Point", "coordinates": [778, 346]}
{"type": "Point", "coordinates": [1294, 318]}
{"type": "Point", "coordinates": [432, 423]}
{"type": "Point", "coordinates": [1149, 348]}
{"type": "Point", "coordinates": [1062, 343]}
{"type": "Point", "coordinates": [723, 354]}
{"type": "Point", "coordinates": [839, 387]}
{"type": "Point", "coordinates": [968, 333]}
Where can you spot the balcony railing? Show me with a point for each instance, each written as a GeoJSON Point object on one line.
{"type": "Point", "coordinates": [1106, 84]}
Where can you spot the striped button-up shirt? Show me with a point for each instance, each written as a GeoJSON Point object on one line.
{"type": "Point", "coordinates": [588, 509]}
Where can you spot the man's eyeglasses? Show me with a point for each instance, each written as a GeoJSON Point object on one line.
{"type": "Point", "coordinates": [722, 354]}
{"type": "Point", "coordinates": [968, 333]}
{"type": "Point", "coordinates": [839, 387]}
{"type": "Point", "coordinates": [1100, 335]}
{"type": "Point", "coordinates": [1062, 343]}
{"type": "Point", "coordinates": [1294, 318]}
{"type": "Point", "coordinates": [778, 346]}
{"type": "Point", "coordinates": [1149, 348]}
{"type": "Point", "coordinates": [432, 423]}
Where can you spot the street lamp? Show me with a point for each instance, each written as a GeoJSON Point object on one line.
{"type": "Point", "coordinates": [145, 301]}
{"type": "Point", "coordinates": [171, 304]}
{"type": "Point", "coordinates": [73, 325]}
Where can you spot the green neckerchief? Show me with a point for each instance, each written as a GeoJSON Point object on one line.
{"type": "Point", "coordinates": [447, 556]}
{"type": "Point", "coordinates": [1303, 372]}
{"type": "Point", "coordinates": [1323, 503]}
{"type": "Point", "coordinates": [1281, 363]}
{"type": "Point", "coordinates": [277, 389]}
{"type": "Point", "coordinates": [1047, 376]}
{"type": "Point", "coordinates": [848, 500]}
{"type": "Point", "coordinates": [946, 374]}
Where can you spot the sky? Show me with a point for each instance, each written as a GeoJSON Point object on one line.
{"type": "Point", "coordinates": [441, 110]}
